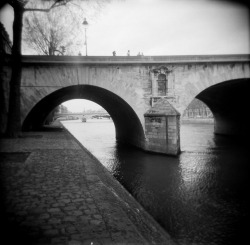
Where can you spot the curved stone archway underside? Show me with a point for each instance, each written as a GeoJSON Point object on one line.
{"type": "Point", "coordinates": [128, 126]}
{"type": "Point", "coordinates": [229, 102]}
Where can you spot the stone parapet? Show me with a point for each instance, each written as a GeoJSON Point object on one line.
{"type": "Point", "coordinates": [172, 59]}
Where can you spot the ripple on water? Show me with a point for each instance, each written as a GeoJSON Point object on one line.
{"type": "Point", "coordinates": [199, 197]}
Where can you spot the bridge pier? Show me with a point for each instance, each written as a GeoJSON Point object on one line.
{"type": "Point", "coordinates": [162, 128]}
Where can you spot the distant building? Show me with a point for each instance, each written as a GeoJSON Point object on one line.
{"type": "Point", "coordinates": [197, 109]}
{"type": "Point", "coordinates": [62, 109]}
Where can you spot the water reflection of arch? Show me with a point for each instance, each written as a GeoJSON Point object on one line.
{"type": "Point", "coordinates": [127, 124]}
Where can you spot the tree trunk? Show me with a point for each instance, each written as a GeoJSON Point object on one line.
{"type": "Point", "coordinates": [14, 115]}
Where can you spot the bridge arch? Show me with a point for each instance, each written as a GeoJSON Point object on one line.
{"type": "Point", "coordinates": [229, 103]}
{"type": "Point", "coordinates": [127, 124]}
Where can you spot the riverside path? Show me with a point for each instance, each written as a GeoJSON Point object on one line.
{"type": "Point", "coordinates": [54, 192]}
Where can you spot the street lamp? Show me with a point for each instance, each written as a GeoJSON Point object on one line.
{"type": "Point", "coordinates": [85, 24]}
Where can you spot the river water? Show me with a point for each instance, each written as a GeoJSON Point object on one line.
{"type": "Point", "coordinates": [199, 197]}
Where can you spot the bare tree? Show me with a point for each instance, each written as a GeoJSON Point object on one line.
{"type": "Point", "coordinates": [14, 113]}
{"type": "Point", "coordinates": [60, 30]}
{"type": "Point", "coordinates": [46, 35]}
{"type": "Point", "coordinates": [19, 7]}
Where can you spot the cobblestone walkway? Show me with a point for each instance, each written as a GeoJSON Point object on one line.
{"type": "Point", "coordinates": [54, 192]}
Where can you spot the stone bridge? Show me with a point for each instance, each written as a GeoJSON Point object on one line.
{"type": "Point", "coordinates": [145, 96]}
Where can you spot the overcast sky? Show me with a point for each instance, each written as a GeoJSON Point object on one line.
{"type": "Point", "coordinates": [162, 27]}
{"type": "Point", "coordinates": [166, 27]}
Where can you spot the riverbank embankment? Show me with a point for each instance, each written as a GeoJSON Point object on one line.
{"type": "Point", "coordinates": [197, 120]}
{"type": "Point", "coordinates": [55, 192]}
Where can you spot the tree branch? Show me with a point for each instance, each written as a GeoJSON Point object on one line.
{"type": "Point", "coordinates": [36, 10]}
{"type": "Point", "coordinates": [57, 3]}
